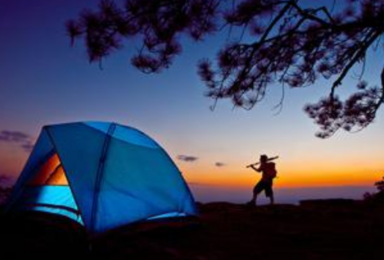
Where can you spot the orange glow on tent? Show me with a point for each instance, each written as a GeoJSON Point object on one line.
{"type": "Point", "coordinates": [50, 173]}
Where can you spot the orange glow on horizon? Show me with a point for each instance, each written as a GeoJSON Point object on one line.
{"type": "Point", "coordinates": [287, 177]}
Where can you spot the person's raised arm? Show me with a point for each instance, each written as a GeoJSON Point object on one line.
{"type": "Point", "coordinates": [254, 168]}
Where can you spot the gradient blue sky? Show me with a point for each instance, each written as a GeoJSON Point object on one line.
{"type": "Point", "coordinates": [45, 81]}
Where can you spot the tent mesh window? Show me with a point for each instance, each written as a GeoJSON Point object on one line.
{"type": "Point", "coordinates": [48, 190]}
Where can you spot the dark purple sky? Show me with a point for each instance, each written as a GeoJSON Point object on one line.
{"type": "Point", "coordinates": [45, 81]}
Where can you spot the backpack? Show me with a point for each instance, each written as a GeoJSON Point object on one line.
{"type": "Point", "coordinates": [271, 170]}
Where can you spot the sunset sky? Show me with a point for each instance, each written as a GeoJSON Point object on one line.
{"type": "Point", "coordinates": [45, 81]}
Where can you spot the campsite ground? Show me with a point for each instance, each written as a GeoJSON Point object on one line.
{"type": "Point", "coordinates": [332, 229]}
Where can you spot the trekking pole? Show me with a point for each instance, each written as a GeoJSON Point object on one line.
{"type": "Point", "coordinates": [254, 164]}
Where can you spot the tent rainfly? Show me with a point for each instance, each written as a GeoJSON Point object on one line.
{"type": "Point", "coordinates": [103, 175]}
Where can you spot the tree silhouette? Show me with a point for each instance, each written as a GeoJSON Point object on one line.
{"type": "Point", "coordinates": [380, 186]}
{"type": "Point", "coordinates": [286, 44]}
{"type": "Point", "coordinates": [376, 196]}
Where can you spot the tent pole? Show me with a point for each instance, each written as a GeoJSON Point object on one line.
{"type": "Point", "coordinates": [100, 171]}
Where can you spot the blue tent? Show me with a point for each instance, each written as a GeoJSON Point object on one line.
{"type": "Point", "coordinates": [102, 175]}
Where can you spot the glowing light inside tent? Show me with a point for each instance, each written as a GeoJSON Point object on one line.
{"type": "Point", "coordinates": [50, 173]}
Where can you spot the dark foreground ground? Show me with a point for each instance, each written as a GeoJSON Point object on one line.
{"type": "Point", "coordinates": [337, 229]}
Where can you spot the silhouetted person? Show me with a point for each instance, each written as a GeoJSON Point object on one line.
{"type": "Point", "coordinates": [268, 170]}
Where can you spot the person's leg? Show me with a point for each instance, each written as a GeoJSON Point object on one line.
{"type": "Point", "coordinates": [254, 198]}
{"type": "Point", "coordinates": [258, 188]}
{"type": "Point", "coordinates": [272, 199]}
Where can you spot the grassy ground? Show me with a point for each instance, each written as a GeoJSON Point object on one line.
{"type": "Point", "coordinates": [313, 230]}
